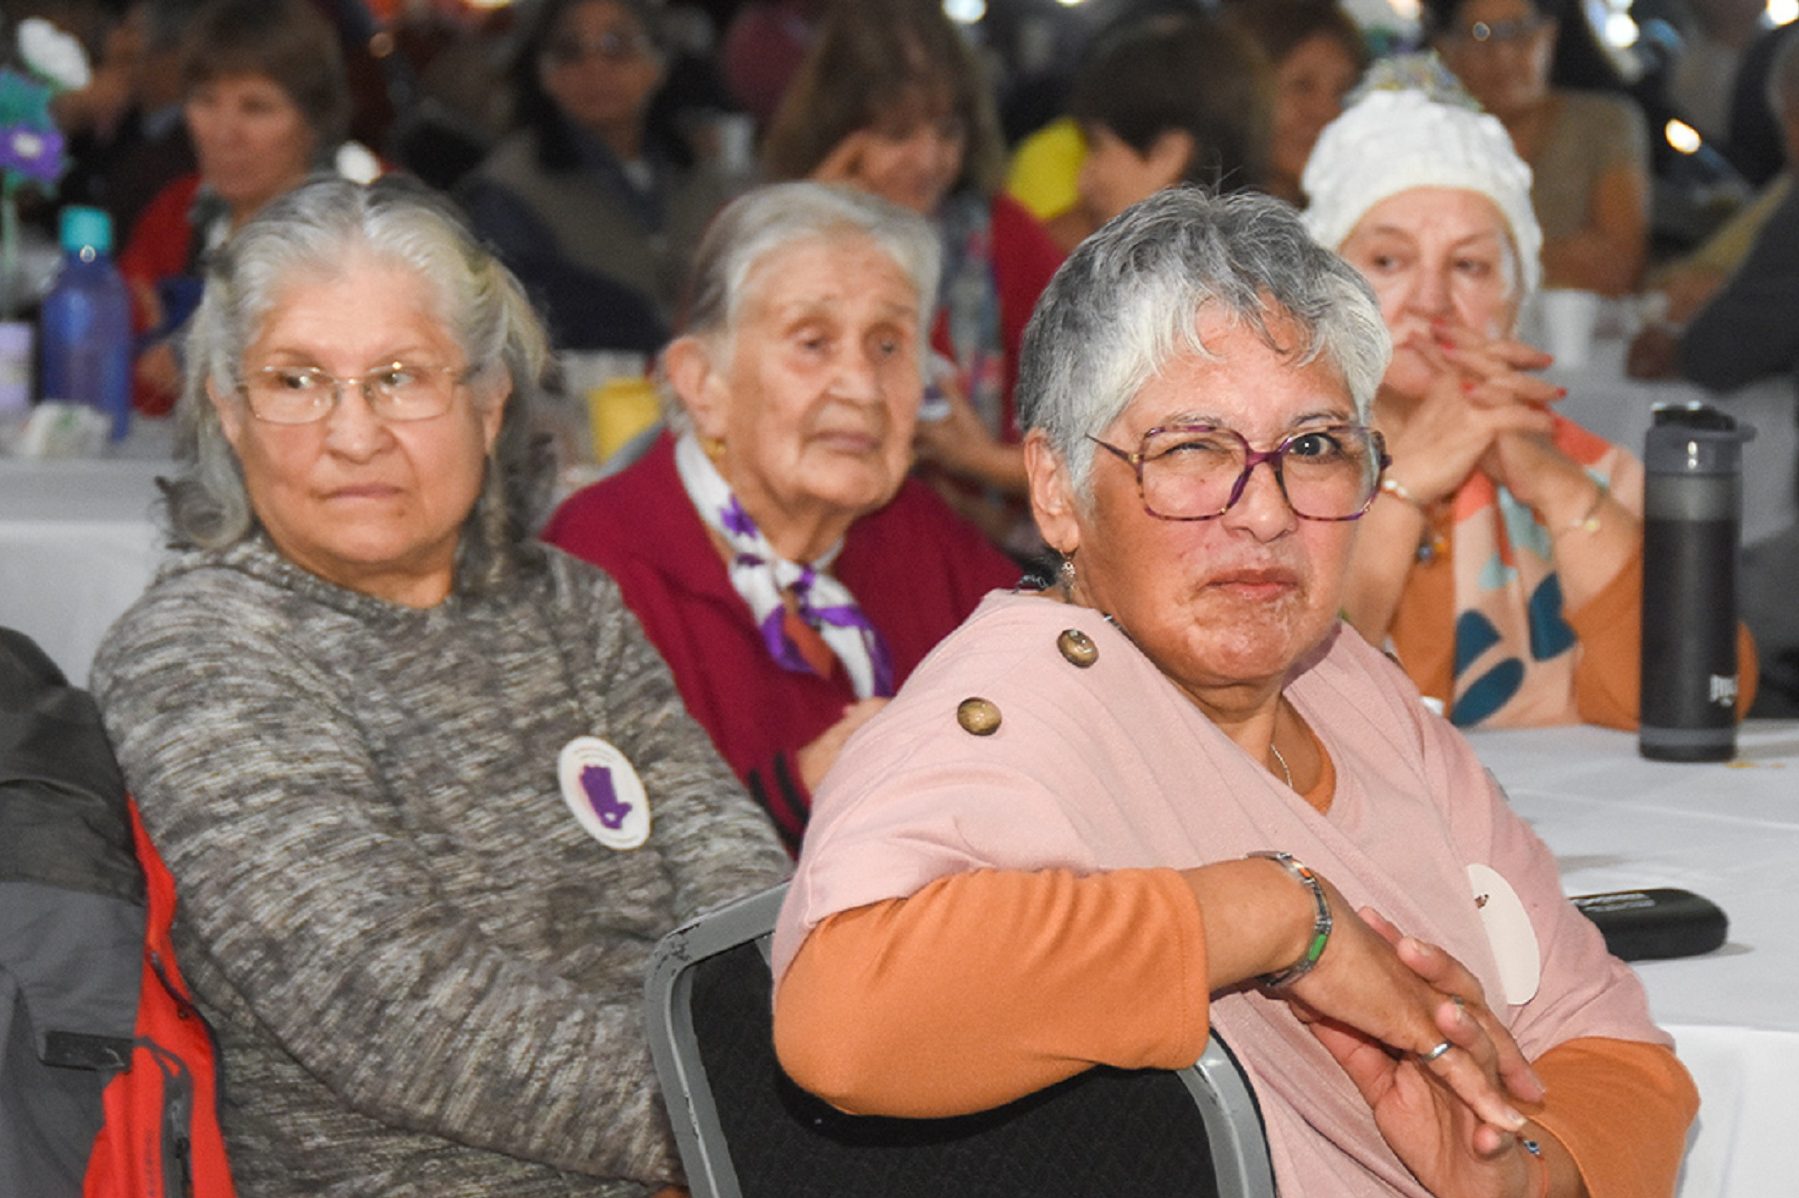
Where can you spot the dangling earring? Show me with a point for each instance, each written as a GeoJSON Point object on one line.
{"type": "Point", "coordinates": [1065, 575]}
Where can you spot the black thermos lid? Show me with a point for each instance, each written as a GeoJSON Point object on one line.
{"type": "Point", "coordinates": [1695, 439]}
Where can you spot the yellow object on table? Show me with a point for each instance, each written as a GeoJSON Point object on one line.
{"type": "Point", "coordinates": [618, 410]}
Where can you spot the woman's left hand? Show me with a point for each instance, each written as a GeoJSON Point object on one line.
{"type": "Point", "coordinates": [1541, 476]}
{"type": "Point", "coordinates": [844, 163]}
{"type": "Point", "coordinates": [1432, 1130]}
{"type": "Point", "coordinates": [960, 444]}
{"type": "Point", "coordinates": [158, 369]}
{"type": "Point", "coordinates": [815, 760]}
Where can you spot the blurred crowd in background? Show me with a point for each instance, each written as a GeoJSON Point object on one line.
{"type": "Point", "coordinates": [591, 140]}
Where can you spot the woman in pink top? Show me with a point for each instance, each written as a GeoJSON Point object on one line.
{"type": "Point", "coordinates": [1052, 849]}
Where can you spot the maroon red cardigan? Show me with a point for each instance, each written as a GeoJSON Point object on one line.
{"type": "Point", "coordinates": [916, 568]}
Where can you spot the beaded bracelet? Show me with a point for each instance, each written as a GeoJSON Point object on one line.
{"type": "Point", "coordinates": [1536, 1153]}
{"type": "Point", "coordinates": [1321, 924]}
{"type": "Point", "coordinates": [1590, 521]}
{"type": "Point", "coordinates": [1398, 490]}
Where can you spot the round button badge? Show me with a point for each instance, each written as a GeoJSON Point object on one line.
{"type": "Point", "coordinates": [1509, 930]}
{"type": "Point", "coordinates": [604, 792]}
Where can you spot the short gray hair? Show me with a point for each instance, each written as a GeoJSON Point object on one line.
{"type": "Point", "coordinates": [314, 230]}
{"type": "Point", "coordinates": [770, 218]}
{"type": "Point", "coordinates": [1129, 300]}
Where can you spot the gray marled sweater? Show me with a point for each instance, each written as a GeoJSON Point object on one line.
{"type": "Point", "coordinates": [425, 976]}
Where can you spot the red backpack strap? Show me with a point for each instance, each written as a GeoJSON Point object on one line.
{"type": "Point", "coordinates": [159, 886]}
{"type": "Point", "coordinates": [162, 1138]}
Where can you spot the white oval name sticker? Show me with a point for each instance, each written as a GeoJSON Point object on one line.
{"type": "Point", "coordinates": [604, 792]}
{"type": "Point", "coordinates": [1509, 931]}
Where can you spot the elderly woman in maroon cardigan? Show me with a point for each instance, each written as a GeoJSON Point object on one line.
{"type": "Point", "coordinates": [773, 546]}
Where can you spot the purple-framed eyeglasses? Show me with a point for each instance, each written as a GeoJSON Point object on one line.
{"type": "Point", "coordinates": [1199, 471]}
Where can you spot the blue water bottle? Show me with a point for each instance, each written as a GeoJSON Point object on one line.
{"type": "Point", "coordinates": [84, 327]}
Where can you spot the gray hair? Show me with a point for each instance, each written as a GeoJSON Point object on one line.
{"type": "Point", "coordinates": [315, 230]}
{"type": "Point", "coordinates": [1129, 299]}
{"type": "Point", "coordinates": [770, 218]}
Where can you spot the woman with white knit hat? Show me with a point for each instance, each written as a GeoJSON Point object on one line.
{"type": "Point", "coordinates": [1503, 561]}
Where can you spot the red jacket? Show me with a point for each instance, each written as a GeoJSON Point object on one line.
{"type": "Point", "coordinates": [160, 247]}
{"type": "Point", "coordinates": [914, 566]}
{"type": "Point", "coordinates": [161, 241]}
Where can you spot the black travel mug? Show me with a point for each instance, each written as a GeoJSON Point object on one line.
{"type": "Point", "coordinates": [1692, 522]}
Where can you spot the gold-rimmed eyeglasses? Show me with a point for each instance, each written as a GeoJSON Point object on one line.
{"type": "Point", "coordinates": [398, 391]}
{"type": "Point", "coordinates": [1199, 471]}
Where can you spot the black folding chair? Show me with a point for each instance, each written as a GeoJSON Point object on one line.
{"type": "Point", "coordinates": [746, 1131]}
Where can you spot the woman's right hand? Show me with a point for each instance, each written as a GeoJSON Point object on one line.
{"type": "Point", "coordinates": [816, 759]}
{"type": "Point", "coordinates": [1258, 919]}
{"type": "Point", "coordinates": [1364, 985]}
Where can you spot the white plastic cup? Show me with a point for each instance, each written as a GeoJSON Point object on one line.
{"type": "Point", "coordinates": [1568, 320]}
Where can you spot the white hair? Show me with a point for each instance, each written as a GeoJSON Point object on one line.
{"type": "Point", "coordinates": [771, 218]}
{"type": "Point", "coordinates": [1130, 299]}
{"type": "Point", "coordinates": [316, 229]}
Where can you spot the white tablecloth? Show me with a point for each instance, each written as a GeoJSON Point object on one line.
{"type": "Point", "coordinates": [1730, 833]}
{"type": "Point", "coordinates": [78, 544]}
{"type": "Point", "coordinates": [1618, 408]}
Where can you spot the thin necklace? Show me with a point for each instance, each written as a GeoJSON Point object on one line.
{"type": "Point", "coordinates": [1066, 582]}
{"type": "Point", "coordinates": [1275, 749]}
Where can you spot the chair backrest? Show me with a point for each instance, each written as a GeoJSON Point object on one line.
{"type": "Point", "coordinates": [745, 1130]}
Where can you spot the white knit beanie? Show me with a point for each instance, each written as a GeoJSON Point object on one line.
{"type": "Point", "coordinates": [1412, 125]}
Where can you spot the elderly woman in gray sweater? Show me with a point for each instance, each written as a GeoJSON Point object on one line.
{"type": "Point", "coordinates": [429, 795]}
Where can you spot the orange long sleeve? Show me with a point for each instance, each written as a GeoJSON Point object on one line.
{"type": "Point", "coordinates": [1608, 680]}
{"type": "Point", "coordinates": [987, 986]}
{"type": "Point", "coordinates": [1610, 629]}
{"type": "Point", "coordinates": [1608, 626]}
{"type": "Point", "coordinates": [1423, 626]}
{"type": "Point", "coordinates": [1621, 1108]}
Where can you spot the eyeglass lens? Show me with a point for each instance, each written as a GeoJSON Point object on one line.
{"type": "Point", "coordinates": [304, 394]}
{"type": "Point", "coordinates": [1195, 472]}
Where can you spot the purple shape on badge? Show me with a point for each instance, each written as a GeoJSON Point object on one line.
{"type": "Point", "coordinates": [596, 781]}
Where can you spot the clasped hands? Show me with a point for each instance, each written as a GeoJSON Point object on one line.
{"type": "Point", "coordinates": [1378, 1009]}
{"type": "Point", "coordinates": [1485, 409]}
